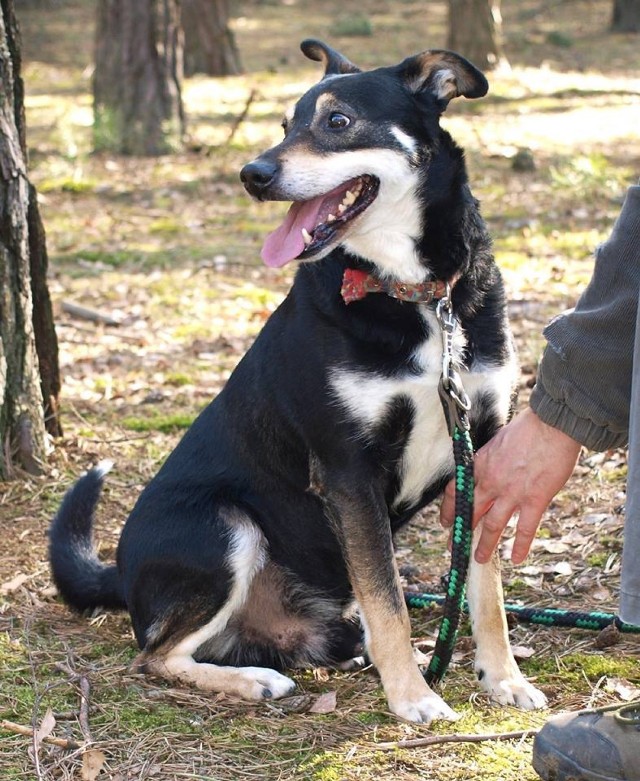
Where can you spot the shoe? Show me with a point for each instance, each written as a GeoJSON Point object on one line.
{"type": "Point", "coordinates": [592, 745]}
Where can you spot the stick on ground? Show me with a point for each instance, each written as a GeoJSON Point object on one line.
{"type": "Point", "coordinates": [19, 729]}
{"type": "Point", "coordinates": [435, 740]}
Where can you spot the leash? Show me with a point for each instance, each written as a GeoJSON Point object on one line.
{"type": "Point", "coordinates": [456, 406]}
{"type": "Point", "coordinates": [594, 620]}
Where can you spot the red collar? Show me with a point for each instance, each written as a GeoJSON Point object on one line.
{"type": "Point", "coordinates": [356, 284]}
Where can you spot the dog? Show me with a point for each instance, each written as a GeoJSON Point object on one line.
{"type": "Point", "coordinates": [265, 541]}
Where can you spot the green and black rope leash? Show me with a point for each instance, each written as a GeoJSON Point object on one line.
{"type": "Point", "coordinates": [595, 620]}
{"type": "Point", "coordinates": [456, 406]}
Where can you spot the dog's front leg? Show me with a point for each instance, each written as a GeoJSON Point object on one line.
{"type": "Point", "coordinates": [362, 524]}
{"type": "Point", "coordinates": [495, 666]}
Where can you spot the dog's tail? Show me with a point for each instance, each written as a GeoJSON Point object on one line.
{"type": "Point", "coordinates": [84, 582]}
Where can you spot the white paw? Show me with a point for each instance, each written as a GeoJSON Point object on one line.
{"type": "Point", "coordinates": [262, 683]}
{"type": "Point", "coordinates": [423, 709]}
{"type": "Point", "coordinates": [513, 689]}
{"type": "Point", "coordinates": [357, 663]}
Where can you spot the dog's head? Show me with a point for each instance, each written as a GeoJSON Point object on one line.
{"type": "Point", "coordinates": [357, 146]}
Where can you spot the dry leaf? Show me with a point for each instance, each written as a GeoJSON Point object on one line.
{"type": "Point", "coordinates": [595, 518]}
{"type": "Point", "coordinates": [607, 637]}
{"type": "Point", "coordinates": [522, 651]}
{"type": "Point", "coordinates": [326, 703]}
{"type": "Point", "coordinates": [92, 763]}
{"type": "Point", "coordinates": [623, 688]}
{"type": "Point", "coordinates": [559, 568]}
{"type": "Point", "coordinates": [47, 725]}
{"type": "Point", "coordinates": [552, 546]}
{"type": "Point", "coordinates": [14, 584]}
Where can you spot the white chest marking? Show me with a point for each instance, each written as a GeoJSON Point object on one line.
{"type": "Point", "coordinates": [428, 454]}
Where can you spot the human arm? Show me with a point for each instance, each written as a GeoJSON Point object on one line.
{"type": "Point", "coordinates": [581, 397]}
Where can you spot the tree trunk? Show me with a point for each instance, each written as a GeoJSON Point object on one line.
{"type": "Point", "coordinates": [475, 31]}
{"type": "Point", "coordinates": [26, 320]}
{"type": "Point", "coordinates": [137, 100]}
{"type": "Point", "coordinates": [209, 45]}
{"type": "Point", "coordinates": [626, 16]}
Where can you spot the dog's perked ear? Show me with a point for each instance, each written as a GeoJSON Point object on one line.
{"type": "Point", "coordinates": [443, 73]}
{"type": "Point", "coordinates": [334, 62]}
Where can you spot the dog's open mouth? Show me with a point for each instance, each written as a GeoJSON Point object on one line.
{"type": "Point", "coordinates": [311, 225]}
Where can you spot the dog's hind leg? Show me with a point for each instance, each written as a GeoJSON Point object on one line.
{"type": "Point", "coordinates": [197, 626]}
{"type": "Point", "coordinates": [495, 666]}
{"type": "Point", "coordinates": [249, 683]}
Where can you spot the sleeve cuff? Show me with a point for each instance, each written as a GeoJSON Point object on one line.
{"type": "Point", "coordinates": [556, 413]}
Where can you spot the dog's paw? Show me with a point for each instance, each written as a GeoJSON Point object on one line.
{"type": "Point", "coordinates": [262, 683]}
{"type": "Point", "coordinates": [512, 689]}
{"type": "Point", "coordinates": [423, 709]}
{"type": "Point", "coordinates": [349, 665]}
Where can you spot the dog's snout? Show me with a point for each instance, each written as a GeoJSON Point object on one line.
{"type": "Point", "coordinates": [258, 176]}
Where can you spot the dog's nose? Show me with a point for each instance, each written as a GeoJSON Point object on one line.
{"type": "Point", "coordinates": [258, 176]}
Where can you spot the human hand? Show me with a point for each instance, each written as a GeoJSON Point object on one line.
{"type": "Point", "coordinates": [520, 470]}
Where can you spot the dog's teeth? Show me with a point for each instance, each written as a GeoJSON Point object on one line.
{"type": "Point", "coordinates": [306, 236]}
{"type": "Point", "coordinates": [349, 198]}
{"type": "Point", "coordinates": [342, 208]}
{"type": "Point", "coordinates": [331, 218]}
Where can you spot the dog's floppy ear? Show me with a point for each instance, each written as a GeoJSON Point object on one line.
{"type": "Point", "coordinates": [334, 62]}
{"type": "Point", "coordinates": [446, 74]}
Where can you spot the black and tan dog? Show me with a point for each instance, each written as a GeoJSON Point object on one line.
{"type": "Point", "coordinates": [265, 540]}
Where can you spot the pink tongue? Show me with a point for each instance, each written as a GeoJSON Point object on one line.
{"type": "Point", "coordinates": [286, 242]}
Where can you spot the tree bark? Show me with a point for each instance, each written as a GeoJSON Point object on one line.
{"type": "Point", "coordinates": [26, 320]}
{"type": "Point", "coordinates": [137, 99]}
{"type": "Point", "coordinates": [475, 31]}
{"type": "Point", "coordinates": [626, 16]}
{"type": "Point", "coordinates": [209, 44]}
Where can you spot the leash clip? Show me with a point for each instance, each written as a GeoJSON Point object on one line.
{"type": "Point", "coordinates": [454, 398]}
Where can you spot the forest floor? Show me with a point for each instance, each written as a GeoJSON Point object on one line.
{"type": "Point", "coordinates": [169, 248]}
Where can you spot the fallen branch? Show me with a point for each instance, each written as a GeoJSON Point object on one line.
{"type": "Point", "coordinates": [241, 118]}
{"type": "Point", "coordinates": [435, 740]}
{"type": "Point", "coordinates": [83, 718]}
{"type": "Point", "coordinates": [19, 729]}
{"type": "Point", "coordinates": [83, 313]}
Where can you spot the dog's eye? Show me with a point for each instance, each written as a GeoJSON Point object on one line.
{"type": "Point", "coordinates": [338, 121]}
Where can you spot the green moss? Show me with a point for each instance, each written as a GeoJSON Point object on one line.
{"type": "Point", "coordinates": [578, 671]}
{"type": "Point", "coordinates": [177, 379]}
{"type": "Point", "coordinates": [352, 25]}
{"type": "Point", "coordinates": [598, 559]}
{"type": "Point", "coordinates": [165, 225]}
{"type": "Point", "coordinates": [67, 185]}
{"type": "Point", "coordinates": [558, 38]}
{"type": "Point", "coordinates": [163, 423]}
{"type": "Point", "coordinates": [617, 475]}
{"type": "Point", "coordinates": [325, 766]}
{"type": "Point", "coordinates": [116, 259]}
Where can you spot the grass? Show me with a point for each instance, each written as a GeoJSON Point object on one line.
{"type": "Point", "coordinates": [170, 245]}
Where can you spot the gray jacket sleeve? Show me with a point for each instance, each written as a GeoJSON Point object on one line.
{"type": "Point", "coordinates": [584, 378]}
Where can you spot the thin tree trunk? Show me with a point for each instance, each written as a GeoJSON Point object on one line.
{"type": "Point", "coordinates": [43, 325]}
{"type": "Point", "coordinates": [475, 31]}
{"type": "Point", "coordinates": [626, 16]}
{"type": "Point", "coordinates": [23, 440]}
{"type": "Point", "coordinates": [209, 44]}
{"type": "Point", "coordinates": [136, 84]}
